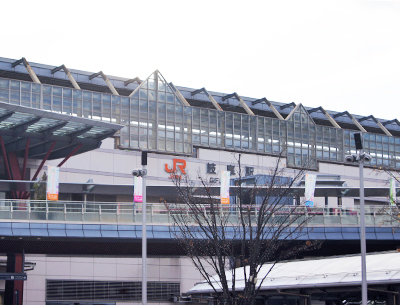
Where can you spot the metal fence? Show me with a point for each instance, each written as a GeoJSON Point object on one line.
{"type": "Point", "coordinates": [122, 212]}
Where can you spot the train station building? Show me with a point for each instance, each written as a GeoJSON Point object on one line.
{"type": "Point", "coordinates": [85, 248]}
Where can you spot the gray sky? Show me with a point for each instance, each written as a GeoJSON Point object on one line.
{"type": "Point", "coordinates": [341, 55]}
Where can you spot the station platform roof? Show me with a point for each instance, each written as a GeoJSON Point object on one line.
{"type": "Point", "coordinates": [46, 129]}
{"type": "Point", "coordinates": [323, 273]}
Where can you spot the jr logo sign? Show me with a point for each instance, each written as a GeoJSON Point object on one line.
{"type": "Point", "coordinates": [181, 164]}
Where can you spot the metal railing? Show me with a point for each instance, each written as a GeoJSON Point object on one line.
{"type": "Point", "coordinates": [158, 213]}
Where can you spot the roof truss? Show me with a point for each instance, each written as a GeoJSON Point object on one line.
{"type": "Point", "coordinates": [179, 94]}
{"type": "Point", "coordinates": [69, 75]}
{"type": "Point", "coordinates": [241, 102]}
{"type": "Point", "coordinates": [133, 80]}
{"type": "Point", "coordinates": [352, 118]}
{"type": "Point", "coordinates": [381, 126]}
{"type": "Point", "coordinates": [210, 97]}
{"type": "Point", "coordinates": [106, 80]}
{"type": "Point", "coordinates": [327, 115]}
{"type": "Point", "coordinates": [272, 107]}
{"type": "Point", "coordinates": [391, 122]}
{"type": "Point", "coordinates": [292, 104]}
{"type": "Point", "coordinates": [28, 68]}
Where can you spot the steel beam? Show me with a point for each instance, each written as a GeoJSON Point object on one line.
{"type": "Point", "coordinates": [381, 126]}
{"type": "Point", "coordinates": [314, 110]}
{"type": "Point", "coordinates": [193, 93]}
{"type": "Point", "coordinates": [70, 155]}
{"type": "Point", "coordinates": [28, 68]}
{"type": "Point", "coordinates": [241, 102]}
{"type": "Point", "coordinates": [14, 166]}
{"type": "Point", "coordinates": [225, 97]}
{"type": "Point", "coordinates": [274, 110]}
{"type": "Point", "coordinates": [129, 81]}
{"type": "Point", "coordinates": [352, 118]}
{"type": "Point", "coordinates": [138, 87]}
{"type": "Point", "coordinates": [327, 115]}
{"type": "Point", "coordinates": [69, 75]}
{"type": "Point", "coordinates": [260, 100]}
{"type": "Point", "coordinates": [15, 172]}
{"type": "Point", "coordinates": [391, 121]}
{"type": "Point", "coordinates": [179, 94]}
{"type": "Point", "coordinates": [6, 164]}
{"type": "Point", "coordinates": [292, 104]}
{"type": "Point", "coordinates": [292, 112]}
{"type": "Point", "coordinates": [210, 97]}
{"type": "Point", "coordinates": [43, 161]}
{"type": "Point", "coordinates": [106, 80]}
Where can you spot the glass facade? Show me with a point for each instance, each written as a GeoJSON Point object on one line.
{"type": "Point", "coordinates": [301, 139]}
{"type": "Point", "coordinates": [154, 118]}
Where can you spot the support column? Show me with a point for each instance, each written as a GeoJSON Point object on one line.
{"type": "Point", "coordinates": [304, 300]}
{"type": "Point", "coordinates": [396, 299]}
{"type": "Point", "coordinates": [391, 299]}
{"type": "Point", "coordinates": [14, 289]}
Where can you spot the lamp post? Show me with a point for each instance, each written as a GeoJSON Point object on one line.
{"type": "Point", "coordinates": [143, 173]}
{"type": "Point", "coordinates": [361, 157]}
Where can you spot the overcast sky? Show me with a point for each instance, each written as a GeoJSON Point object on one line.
{"type": "Point", "coordinates": [341, 55]}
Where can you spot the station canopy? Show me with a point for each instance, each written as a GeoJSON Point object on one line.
{"type": "Point", "coordinates": [49, 133]}
{"type": "Point", "coordinates": [343, 271]}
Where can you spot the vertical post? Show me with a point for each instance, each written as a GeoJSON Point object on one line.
{"type": "Point", "coordinates": [144, 232]}
{"type": "Point", "coordinates": [364, 291]}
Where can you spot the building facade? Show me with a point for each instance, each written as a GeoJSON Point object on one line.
{"type": "Point", "coordinates": [193, 131]}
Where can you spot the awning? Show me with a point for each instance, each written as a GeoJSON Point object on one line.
{"type": "Point", "coordinates": [43, 128]}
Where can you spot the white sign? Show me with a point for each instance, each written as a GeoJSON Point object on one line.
{"type": "Point", "coordinates": [225, 181]}
{"type": "Point", "coordinates": [53, 182]}
{"type": "Point", "coordinates": [309, 189]}
{"type": "Point", "coordinates": [137, 189]}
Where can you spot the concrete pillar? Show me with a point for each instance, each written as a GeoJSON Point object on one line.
{"type": "Point", "coordinates": [14, 289]}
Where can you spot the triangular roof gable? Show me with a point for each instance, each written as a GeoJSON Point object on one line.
{"type": "Point", "coordinates": [303, 114]}
{"type": "Point", "coordinates": [156, 81]}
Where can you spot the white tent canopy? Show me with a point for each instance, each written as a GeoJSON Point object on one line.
{"type": "Point", "coordinates": [382, 268]}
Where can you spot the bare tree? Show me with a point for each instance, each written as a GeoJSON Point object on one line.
{"type": "Point", "coordinates": [258, 227]}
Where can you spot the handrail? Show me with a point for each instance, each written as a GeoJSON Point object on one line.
{"type": "Point", "coordinates": [70, 211]}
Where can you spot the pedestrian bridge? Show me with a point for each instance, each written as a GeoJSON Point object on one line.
{"type": "Point", "coordinates": [131, 213]}
{"type": "Point", "coordinates": [24, 218]}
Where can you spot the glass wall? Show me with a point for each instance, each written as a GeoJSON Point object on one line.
{"type": "Point", "coordinates": [154, 118]}
{"type": "Point", "coordinates": [301, 139]}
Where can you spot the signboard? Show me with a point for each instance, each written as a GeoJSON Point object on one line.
{"type": "Point", "coordinates": [53, 182]}
{"type": "Point", "coordinates": [8, 276]}
{"type": "Point", "coordinates": [177, 163]}
{"type": "Point", "coordinates": [137, 189]}
{"type": "Point", "coordinates": [225, 181]}
{"type": "Point", "coordinates": [309, 189]}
